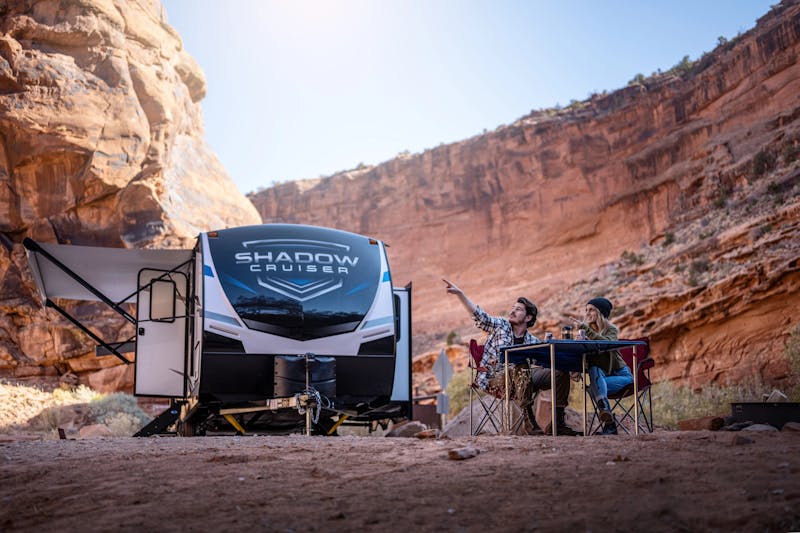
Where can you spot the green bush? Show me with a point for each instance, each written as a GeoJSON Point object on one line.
{"type": "Point", "coordinates": [106, 408]}
{"type": "Point", "coordinates": [458, 391]}
{"type": "Point", "coordinates": [632, 258]}
{"type": "Point", "coordinates": [723, 194]}
{"type": "Point", "coordinates": [791, 152]}
{"type": "Point", "coordinates": [451, 337]}
{"type": "Point", "coordinates": [639, 79]}
{"type": "Point", "coordinates": [684, 66]}
{"type": "Point", "coordinates": [763, 162]}
{"type": "Point", "coordinates": [696, 270]}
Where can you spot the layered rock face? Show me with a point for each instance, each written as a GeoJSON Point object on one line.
{"type": "Point", "coordinates": [677, 198]}
{"type": "Point", "coordinates": [101, 143]}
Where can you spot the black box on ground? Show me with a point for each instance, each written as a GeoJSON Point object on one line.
{"type": "Point", "coordinates": [773, 413]}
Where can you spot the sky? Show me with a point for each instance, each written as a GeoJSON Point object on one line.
{"type": "Point", "coordinates": [300, 89]}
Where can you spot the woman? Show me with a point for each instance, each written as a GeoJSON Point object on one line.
{"type": "Point", "coordinates": [607, 370]}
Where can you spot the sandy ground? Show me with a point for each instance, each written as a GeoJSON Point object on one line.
{"type": "Point", "coordinates": [667, 481]}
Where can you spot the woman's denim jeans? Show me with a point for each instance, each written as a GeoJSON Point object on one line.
{"type": "Point", "coordinates": [602, 385]}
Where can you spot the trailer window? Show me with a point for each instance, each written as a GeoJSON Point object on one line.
{"type": "Point", "coordinates": [162, 300]}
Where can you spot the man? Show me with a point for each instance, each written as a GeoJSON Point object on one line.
{"type": "Point", "coordinates": [514, 330]}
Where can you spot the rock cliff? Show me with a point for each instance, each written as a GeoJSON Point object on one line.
{"type": "Point", "coordinates": [677, 197]}
{"type": "Point", "coordinates": [101, 142]}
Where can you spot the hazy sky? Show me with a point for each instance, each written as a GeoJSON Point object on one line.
{"type": "Point", "coordinates": [301, 89]}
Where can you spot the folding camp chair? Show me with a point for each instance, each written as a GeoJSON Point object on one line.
{"type": "Point", "coordinates": [624, 414]}
{"type": "Point", "coordinates": [492, 404]}
{"type": "Point", "coordinates": [489, 403]}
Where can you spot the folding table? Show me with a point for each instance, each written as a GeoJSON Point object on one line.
{"type": "Point", "coordinates": [567, 356]}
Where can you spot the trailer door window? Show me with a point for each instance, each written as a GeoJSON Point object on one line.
{"type": "Point", "coordinates": [162, 300]}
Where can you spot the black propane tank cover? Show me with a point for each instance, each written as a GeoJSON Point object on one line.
{"type": "Point", "coordinates": [290, 375]}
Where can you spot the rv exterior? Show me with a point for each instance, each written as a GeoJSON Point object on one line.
{"type": "Point", "coordinates": [258, 324]}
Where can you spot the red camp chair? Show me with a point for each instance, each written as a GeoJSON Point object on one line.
{"type": "Point", "coordinates": [623, 415]}
{"type": "Point", "coordinates": [489, 403]}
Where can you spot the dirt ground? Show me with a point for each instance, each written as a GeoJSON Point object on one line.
{"type": "Point", "coordinates": [667, 481]}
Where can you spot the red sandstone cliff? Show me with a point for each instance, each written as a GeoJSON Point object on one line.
{"type": "Point", "coordinates": [678, 198]}
{"type": "Point", "coordinates": [101, 142]}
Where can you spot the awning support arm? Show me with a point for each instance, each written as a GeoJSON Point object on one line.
{"type": "Point", "coordinates": [32, 245]}
{"type": "Point", "coordinates": [162, 276]}
{"type": "Point", "coordinates": [104, 344]}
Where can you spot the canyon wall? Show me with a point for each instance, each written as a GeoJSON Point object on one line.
{"type": "Point", "coordinates": [101, 142]}
{"type": "Point", "coordinates": [677, 197]}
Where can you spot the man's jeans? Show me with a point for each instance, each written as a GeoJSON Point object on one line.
{"type": "Point", "coordinates": [602, 385]}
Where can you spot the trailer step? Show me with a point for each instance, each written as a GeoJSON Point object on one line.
{"type": "Point", "coordinates": [160, 423]}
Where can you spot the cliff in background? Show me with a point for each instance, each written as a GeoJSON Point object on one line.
{"type": "Point", "coordinates": [101, 142]}
{"type": "Point", "coordinates": [678, 198]}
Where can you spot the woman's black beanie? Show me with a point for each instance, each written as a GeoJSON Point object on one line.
{"type": "Point", "coordinates": [603, 305]}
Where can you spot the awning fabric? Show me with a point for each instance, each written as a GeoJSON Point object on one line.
{"type": "Point", "coordinates": [112, 271]}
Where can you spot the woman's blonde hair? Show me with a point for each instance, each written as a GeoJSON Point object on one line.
{"type": "Point", "coordinates": [601, 322]}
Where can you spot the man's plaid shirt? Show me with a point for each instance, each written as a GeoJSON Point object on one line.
{"type": "Point", "coordinates": [500, 334]}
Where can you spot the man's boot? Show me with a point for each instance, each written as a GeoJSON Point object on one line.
{"type": "Point", "coordinates": [561, 426]}
{"type": "Point", "coordinates": [609, 428]}
{"type": "Point", "coordinates": [531, 425]}
{"type": "Point", "coordinates": [604, 411]}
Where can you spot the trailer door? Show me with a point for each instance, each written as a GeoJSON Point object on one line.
{"type": "Point", "coordinates": [401, 389]}
{"type": "Point", "coordinates": [161, 334]}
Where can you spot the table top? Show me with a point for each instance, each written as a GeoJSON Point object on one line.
{"type": "Point", "coordinates": [569, 353]}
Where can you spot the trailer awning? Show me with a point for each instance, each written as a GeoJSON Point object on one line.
{"type": "Point", "coordinates": [111, 271]}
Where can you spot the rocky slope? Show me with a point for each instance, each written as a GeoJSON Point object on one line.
{"type": "Point", "coordinates": [101, 142]}
{"type": "Point", "coordinates": [678, 197]}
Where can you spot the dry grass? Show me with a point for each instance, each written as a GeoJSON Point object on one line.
{"type": "Point", "coordinates": [32, 410]}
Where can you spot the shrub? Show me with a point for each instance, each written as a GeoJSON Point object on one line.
{"type": "Point", "coordinates": [684, 66]}
{"type": "Point", "coordinates": [451, 338]}
{"type": "Point", "coordinates": [774, 188]}
{"type": "Point", "coordinates": [723, 194]}
{"type": "Point", "coordinates": [763, 162]}
{"type": "Point", "coordinates": [637, 80]}
{"type": "Point", "coordinates": [458, 391]}
{"type": "Point", "coordinates": [669, 238]}
{"type": "Point", "coordinates": [791, 152]}
{"type": "Point", "coordinates": [631, 258]}
{"type": "Point", "coordinates": [105, 408]}
{"type": "Point", "coordinates": [672, 403]}
{"type": "Point", "coordinates": [123, 424]}
{"type": "Point", "coordinates": [696, 270]}
{"type": "Point", "coordinates": [31, 409]}
{"type": "Point", "coordinates": [700, 265]}
{"type": "Point", "coordinates": [761, 231]}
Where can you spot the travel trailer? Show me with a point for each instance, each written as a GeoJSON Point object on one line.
{"type": "Point", "coordinates": [269, 327]}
